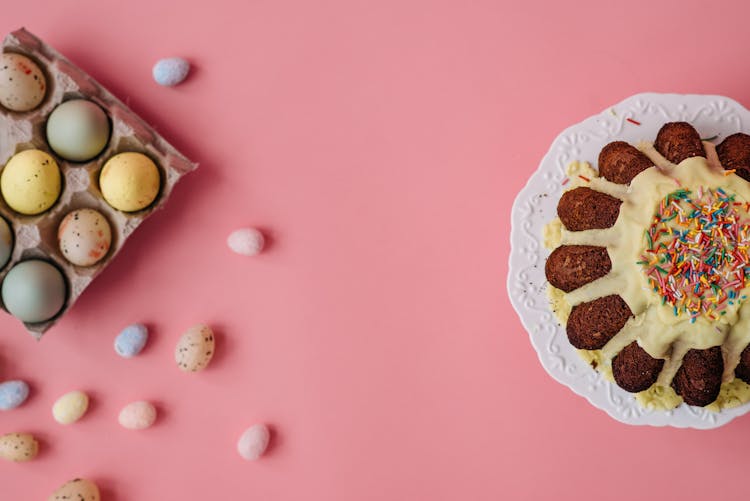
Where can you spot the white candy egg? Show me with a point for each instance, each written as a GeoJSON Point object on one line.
{"type": "Point", "coordinates": [246, 241]}
{"type": "Point", "coordinates": [253, 442]}
{"type": "Point", "coordinates": [137, 415]}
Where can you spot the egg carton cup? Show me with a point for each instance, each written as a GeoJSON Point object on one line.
{"type": "Point", "coordinates": [36, 236]}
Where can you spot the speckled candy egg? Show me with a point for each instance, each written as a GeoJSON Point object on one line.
{"type": "Point", "coordinates": [70, 407]}
{"type": "Point", "coordinates": [31, 182]}
{"type": "Point", "coordinates": [18, 447]}
{"type": "Point", "coordinates": [130, 181]}
{"type": "Point", "coordinates": [6, 242]}
{"type": "Point", "coordinates": [84, 237]}
{"type": "Point", "coordinates": [13, 394]}
{"type": "Point", "coordinates": [78, 130]}
{"type": "Point", "coordinates": [78, 489]}
{"type": "Point", "coordinates": [137, 415]}
{"type": "Point", "coordinates": [22, 83]}
{"type": "Point", "coordinates": [34, 291]}
{"type": "Point", "coordinates": [195, 348]}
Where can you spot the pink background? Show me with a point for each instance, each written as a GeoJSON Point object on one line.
{"type": "Point", "coordinates": [380, 144]}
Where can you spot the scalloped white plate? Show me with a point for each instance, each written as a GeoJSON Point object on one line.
{"type": "Point", "coordinates": [536, 205]}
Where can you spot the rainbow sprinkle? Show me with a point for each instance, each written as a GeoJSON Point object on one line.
{"type": "Point", "coordinates": [696, 255]}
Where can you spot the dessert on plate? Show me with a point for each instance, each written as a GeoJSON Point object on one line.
{"type": "Point", "coordinates": [651, 266]}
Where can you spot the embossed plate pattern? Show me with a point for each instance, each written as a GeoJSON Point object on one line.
{"type": "Point", "coordinates": [536, 205]}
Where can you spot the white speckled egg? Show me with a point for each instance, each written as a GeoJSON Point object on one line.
{"type": "Point", "coordinates": [22, 83]}
{"type": "Point", "coordinates": [34, 291]}
{"type": "Point", "coordinates": [70, 407]}
{"type": "Point", "coordinates": [78, 130]}
{"type": "Point", "coordinates": [78, 489]}
{"type": "Point", "coordinates": [18, 447]}
{"type": "Point", "coordinates": [195, 348]}
{"type": "Point", "coordinates": [253, 442]}
{"type": "Point", "coordinates": [137, 415]}
{"type": "Point", "coordinates": [84, 236]}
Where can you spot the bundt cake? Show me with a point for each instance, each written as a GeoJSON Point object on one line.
{"type": "Point", "coordinates": [652, 264]}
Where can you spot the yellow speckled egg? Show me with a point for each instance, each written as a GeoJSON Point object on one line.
{"type": "Point", "coordinates": [22, 83]}
{"type": "Point", "coordinates": [130, 181]}
{"type": "Point", "coordinates": [78, 489]}
{"type": "Point", "coordinates": [30, 182]}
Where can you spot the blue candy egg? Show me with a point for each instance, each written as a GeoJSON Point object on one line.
{"type": "Point", "coordinates": [131, 340]}
{"type": "Point", "coordinates": [170, 71]}
{"type": "Point", "coordinates": [13, 394]}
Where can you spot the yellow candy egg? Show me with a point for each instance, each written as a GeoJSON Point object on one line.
{"type": "Point", "coordinates": [30, 182]}
{"type": "Point", "coordinates": [130, 181]}
{"type": "Point", "coordinates": [70, 407]}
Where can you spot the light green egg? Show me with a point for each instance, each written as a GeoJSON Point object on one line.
{"type": "Point", "coordinates": [78, 130]}
{"type": "Point", "coordinates": [34, 291]}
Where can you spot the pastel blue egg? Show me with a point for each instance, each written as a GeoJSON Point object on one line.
{"type": "Point", "coordinates": [171, 71]}
{"type": "Point", "coordinates": [34, 291]}
{"type": "Point", "coordinates": [13, 394]}
{"type": "Point", "coordinates": [131, 340]}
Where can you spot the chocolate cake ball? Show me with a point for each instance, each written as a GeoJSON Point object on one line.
{"type": "Point", "coordinates": [734, 153]}
{"type": "Point", "coordinates": [677, 141]}
{"type": "Point", "coordinates": [620, 162]}
{"type": "Point", "coordinates": [572, 266]}
{"type": "Point", "coordinates": [586, 209]}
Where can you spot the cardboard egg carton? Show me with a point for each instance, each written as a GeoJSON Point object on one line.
{"type": "Point", "coordinates": [36, 236]}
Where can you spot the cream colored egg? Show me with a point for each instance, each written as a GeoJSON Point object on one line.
{"type": "Point", "coordinates": [30, 182]}
{"type": "Point", "coordinates": [70, 407]}
{"type": "Point", "coordinates": [130, 181]}
{"type": "Point", "coordinates": [22, 83]}
{"type": "Point", "coordinates": [195, 348]}
{"type": "Point", "coordinates": [78, 489]}
{"type": "Point", "coordinates": [84, 237]}
{"type": "Point", "coordinates": [18, 447]}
